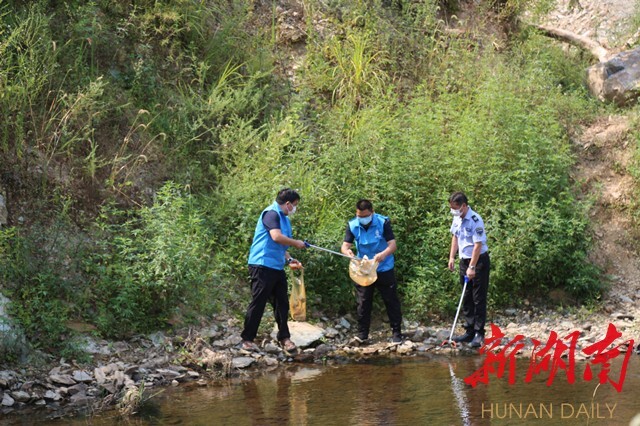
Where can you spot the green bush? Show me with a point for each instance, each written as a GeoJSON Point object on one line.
{"type": "Point", "coordinates": [39, 272]}
{"type": "Point", "coordinates": [151, 265]}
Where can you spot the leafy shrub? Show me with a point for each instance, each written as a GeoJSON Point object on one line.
{"type": "Point", "coordinates": [151, 264]}
{"type": "Point", "coordinates": [39, 272]}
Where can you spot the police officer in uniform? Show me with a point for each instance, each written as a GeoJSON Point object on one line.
{"type": "Point", "coordinates": [469, 240]}
{"type": "Point", "coordinates": [374, 238]}
{"type": "Point", "coordinates": [267, 258]}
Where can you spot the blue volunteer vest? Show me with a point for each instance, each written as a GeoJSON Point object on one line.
{"type": "Point", "coordinates": [371, 241]}
{"type": "Point", "coordinates": [264, 251]}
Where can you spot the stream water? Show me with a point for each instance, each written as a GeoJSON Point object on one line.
{"type": "Point", "coordinates": [408, 391]}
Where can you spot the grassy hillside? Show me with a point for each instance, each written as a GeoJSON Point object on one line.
{"type": "Point", "coordinates": [143, 138]}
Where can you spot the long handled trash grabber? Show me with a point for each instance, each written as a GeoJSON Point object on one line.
{"type": "Point", "coordinates": [455, 321]}
{"type": "Point", "coordinates": [307, 244]}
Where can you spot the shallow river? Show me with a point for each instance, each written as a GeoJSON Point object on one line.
{"type": "Point", "coordinates": [414, 391]}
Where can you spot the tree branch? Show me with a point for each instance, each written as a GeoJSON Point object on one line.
{"type": "Point", "coordinates": [583, 42]}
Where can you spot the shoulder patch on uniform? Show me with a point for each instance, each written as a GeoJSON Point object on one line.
{"type": "Point", "coordinates": [479, 230]}
{"type": "Point", "coordinates": [474, 217]}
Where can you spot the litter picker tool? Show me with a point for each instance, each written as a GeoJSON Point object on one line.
{"type": "Point", "coordinates": [455, 321]}
{"type": "Point", "coordinates": [307, 244]}
{"type": "Point", "coordinates": [361, 270]}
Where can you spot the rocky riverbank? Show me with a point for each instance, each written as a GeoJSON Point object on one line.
{"type": "Point", "coordinates": [121, 374]}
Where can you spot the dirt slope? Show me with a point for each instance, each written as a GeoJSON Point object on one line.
{"type": "Point", "coordinates": [605, 149]}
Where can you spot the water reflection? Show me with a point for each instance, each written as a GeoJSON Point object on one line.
{"type": "Point", "coordinates": [391, 392]}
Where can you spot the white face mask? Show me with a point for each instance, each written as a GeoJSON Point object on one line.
{"type": "Point", "coordinates": [365, 220]}
{"type": "Point", "coordinates": [456, 212]}
{"type": "Point", "coordinates": [293, 210]}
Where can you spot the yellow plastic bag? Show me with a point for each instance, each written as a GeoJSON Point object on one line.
{"type": "Point", "coordinates": [298, 298]}
{"type": "Point", "coordinates": [363, 271]}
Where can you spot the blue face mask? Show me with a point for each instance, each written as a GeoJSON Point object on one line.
{"type": "Point", "coordinates": [365, 220]}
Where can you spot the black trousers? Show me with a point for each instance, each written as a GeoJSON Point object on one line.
{"type": "Point", "coordinates": [387, 286]}
{"type": "Point", "coordinates": [474, 305]}
{"type": "Point", "coordinates": [270, 285]}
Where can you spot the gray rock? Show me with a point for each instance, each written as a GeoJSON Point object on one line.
{"type": "Point", "coordinates": [242, 362]}
{"type": "Point", "coordinates": [322, 350]}
{"type": "Point", "coordinates": [167, 373]}
{"type": "Point", "coordinates": [7, 378]}
{"type": "Point", "coordinates": [618, 79]}
{"type": "Point", "coordinates": [121, 379]}
{"type": "Point", "coordinates": [159, 339]}
{"type": "Point", "coordinates": [210, 332]}
{"type": "Point", "coordinates": [408, 325]}
{"type": "Point", "coordinates": [271, 348]}
{"type": "Point", "coordinates": [90, 346]}
{"type": "Point", "coordinates": [344, 323]}
{"type": "Point", "coordinates": [80, 399]}
{"type": "Point", "coordinates": [54, 396]}
{"type": "Point", "coordinates": [405, 348]}
{"type": "Point", "coordinates": [303, 334]}
{"type": "Point", "coordinates": [120, 347]}
{"type": "Point", "coordinates": [82, 376]}
{"type": "Point", "coordinates": [100, 374]}
{"type": "Point", "coordinates": [419, 335]}
{"type": "Point", "coordinates": [511, 312]}
{"type": "Point", "coordinates": [63, 379]}
{"type": "Point", "coordinates": [625, 299]}
{"type": "Point", "coordinates": [21, 396]}
{"type": "Point", "coordinates": [331, 332]}
{"type": "Point", "coordinates": [234, 340]}
{"type": "Point", "coordinates": [7, 401]}
{"type": "Point", "coordinates": [79, 388]}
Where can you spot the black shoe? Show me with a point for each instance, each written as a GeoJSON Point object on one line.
{"type": "Point", "coordinates": [478, 340]}
{"type": "Point", "coordinates": [464, 338]}
{"type": "Point", "coordinates": [396, 337]}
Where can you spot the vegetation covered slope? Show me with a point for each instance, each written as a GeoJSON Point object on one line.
{"type": "Point", "coordinates": [142, 139]}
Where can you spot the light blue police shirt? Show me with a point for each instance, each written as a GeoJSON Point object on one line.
{"type": "Point", "coordinates": [469, 230]}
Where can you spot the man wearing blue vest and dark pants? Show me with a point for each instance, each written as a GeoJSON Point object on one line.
{"type": "Point", "coordinates": [469, 240]}
{"type": "Point", "coordinates": [267, 258]}
{"type": "Point", "coordinates": [374, 238]}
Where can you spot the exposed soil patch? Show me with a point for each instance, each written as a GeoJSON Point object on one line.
{"type": "Point", "coordinates": [606, 21]}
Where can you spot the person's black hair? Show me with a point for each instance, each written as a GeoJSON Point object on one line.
{"type": "Point", "coordinates": [287, 194]}
{"type": "Point", "coordinates": [364, 204]}
{"type": "Point", "coordinates": [458, 198]}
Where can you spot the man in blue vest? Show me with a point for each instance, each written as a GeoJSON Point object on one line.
{"type": "Point", "coordinates": [469, 240]}
{"type": "Point", "coordinates": [374, 238]}
{"type": "Point", "coordinates": [267, 259]}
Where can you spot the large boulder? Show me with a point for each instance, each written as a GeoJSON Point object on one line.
{"type": "Point", "coordinates": [12, 340]}
{"type": "Point", "coordinates": [618, 79]}
{"type": "Point", "coordinates": [303, 334]}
